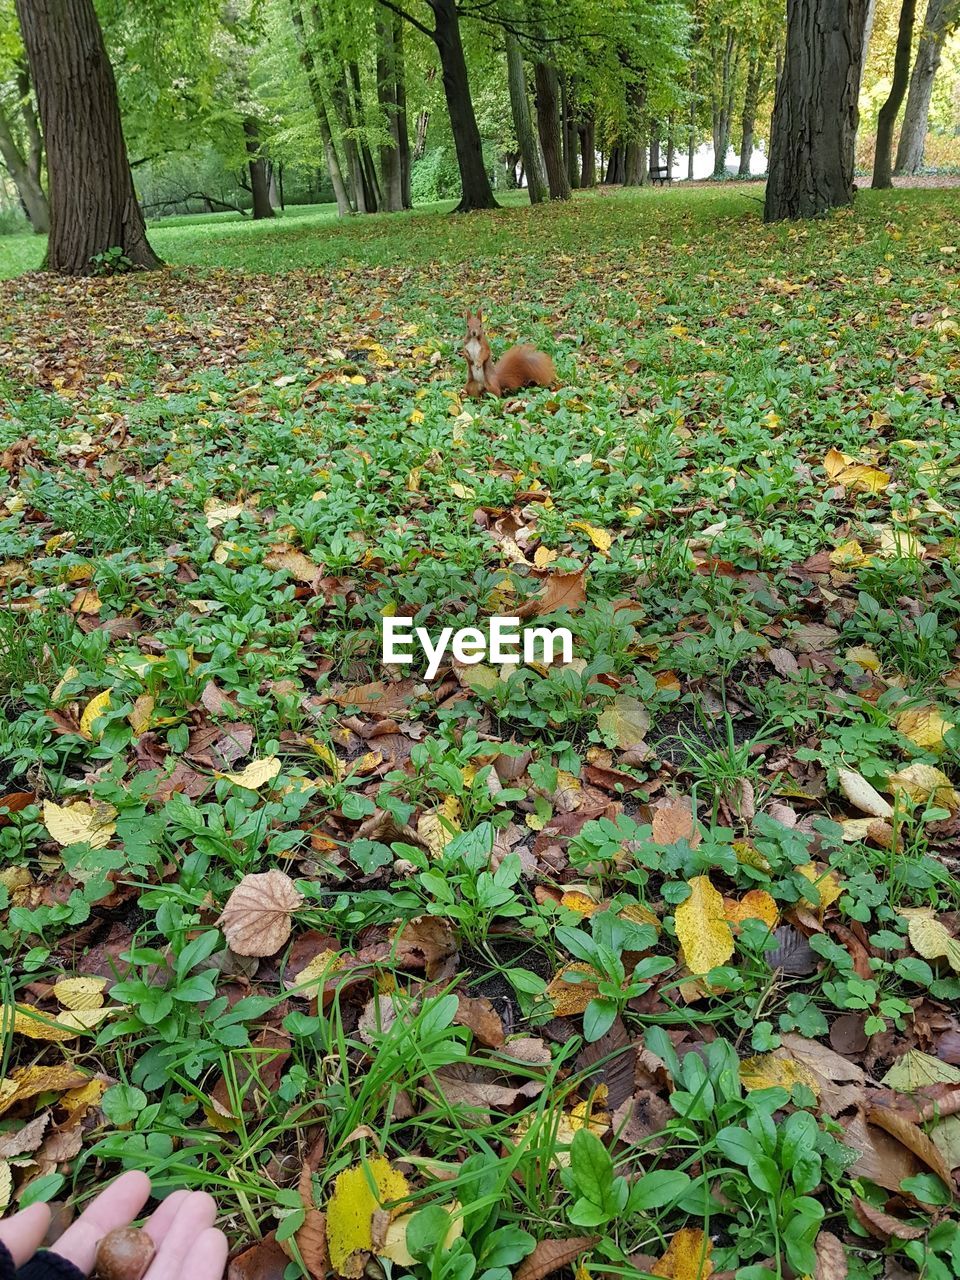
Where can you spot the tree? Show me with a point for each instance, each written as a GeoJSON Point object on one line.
{"type": "Point", "coordinates": [883, 155]}
{"type": "Point", "coordinates": [93, 207]}
{"type": "Point", "coordinates": [387, 97]}
{"type": "Point", "coordinates": [476, 192]}
{"type": "Point", "coordinates": [24, 161]}
{"type": "Point", "coordinates": [941, 18]}
{"type": "Point", "coordinates": [550, 128]}
{"type": "Point", "coordinates": [527, 140]}
{"type": "Point", "coordinates": [815, 117]}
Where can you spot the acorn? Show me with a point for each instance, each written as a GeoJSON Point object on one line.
{"type": "Point", "coordinates": [124, 1254]}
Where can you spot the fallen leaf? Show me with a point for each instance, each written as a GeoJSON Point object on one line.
{"type": "Point", "coordinates": [862, 796]}
{"type": "Point", "coordinates": [772, 1070]}
{"type": "Point", "coordinates": [560, 591]}
{"type": "Point", "coordinates": [80, 993]}
{"type": "Point", "coordinates": [570, 998]}
{"type": "Point", "coordinates": [600, 538]}
{"type": "Point", "coordinates": [930, 939]}
{"type": "Point", "coordinates": [624, 720]}
{"type": "Point", "coordinates": [95, 708]}
{"type": "Point", "coordinates": [80, 823]}
{"type": "Point", "coordinates": [831, 1258]}
{"type": "Point", "coordinates": [687, 1257]}
{"type": "Point", "coordinates": [884, 1225]}
{"type": "Point", "coordinates": [256, 774]}
{"type": "Point", "coordinates": [924, 726]}
{"type": "Point", "coordinates": [256, 918]}
{"type": "Point", "coordinates": [913, 1138]}
{"type": "Point", "coordinates": [673, 820]}
{"type": "Point", "coordinates": [923, 782]}
{"type": "Point", "coordinates": [549, 1256]}
{"type": "Point", "coordinates": [359, 1193]}
{"type": "Point", "coordinates": [702, 929]}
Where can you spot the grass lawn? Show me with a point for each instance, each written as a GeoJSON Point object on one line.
{"type": "Point", "coordinates": [502, 938]}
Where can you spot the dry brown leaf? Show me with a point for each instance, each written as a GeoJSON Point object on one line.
{"type": "Point", "coordinates": [256, 918]}
{"type": "Point", "coordinates": [831, 1258]}
{"type": "Point", "coordinates": [560, 591]}
{"type": "Point", "coordinates": [477, 1013]}
{"type": "Point", "coordinates": [913, 1138]}
{"type": "Point", "coordinates": [884, 1225]}
{"type": "Point", "coordinates": [425, 942]}
{"type": "Point", "coordinates": [549, 1256]}
{"type": "Point", "coordinates": [673, 820]}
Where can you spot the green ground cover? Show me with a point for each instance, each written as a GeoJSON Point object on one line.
{"type": "Point", "coordinates": [685, 905]}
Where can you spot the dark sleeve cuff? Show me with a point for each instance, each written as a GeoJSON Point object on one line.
{"type": "Point", "coordinates": [47, 1266]}
{"type": "Point", "coordinates": [6, 1264]}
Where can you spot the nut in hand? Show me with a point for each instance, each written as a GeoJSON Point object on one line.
{"type": "Point", "coordinates": [124, 1254]}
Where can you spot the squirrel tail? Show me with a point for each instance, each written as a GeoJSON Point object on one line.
{"type": "Point", "coordinates": [524, 366]}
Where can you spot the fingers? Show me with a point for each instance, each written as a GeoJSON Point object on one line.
{"type": "Point", "coordinates": [194, 1217]}
{"type": "Point", "coordinates": [158, 1224]}
{"type": "Point", "coordinates": [208, 1257]}
{"type": "Point", "coordinates": [23, 1233]}
{"type": "Point", "coordinates": [115, 1207]}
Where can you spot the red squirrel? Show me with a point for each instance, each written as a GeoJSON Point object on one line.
{"type": "Point", "coordinates": [522, 366]}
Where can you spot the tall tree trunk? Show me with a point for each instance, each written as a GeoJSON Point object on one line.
{"type": "Point", "coordinates": [615, 165]}
{"type": "Point", "coordinates": [723, 106]}
{"type": "Point", "coordinates": [549, 126]}
{"type": "Point", "coordinates": [568, 112]}
{"type": "Point", "coordinates": [671, 145]}
{"type": "Point", "coordinates": [654, 144]}
{"type": "Point", "coordinates": [420, 146]}
{"type": "Point", "coordinates": [311, 70]}
{"type": "Point", "coordinates": [634, 166]}
{"type": "Point", "coordinates": [387, 98]}
{"type": "Point", "coordinates": [28, 188]}
{"type": "Point", "coordinates": [403, 132]}
{"type": "Point", "coordinates": [373, 196]}
{"type": "Point", "coordinates": [93, 206]}
{"type": "Point", "coordinates": [259, 184]}
{"type": "Point", "coordinates": [751, 100]}
{"type": "Point", "coordinates": [815, 117]}
{"type": "Point", "coordinates": [692, 129]}
{"type": "Point", "coordinates": [476, 192]}
{"type": "Point", "coordinates": [588, 151]}
{"type": "Point", "coordinates": [887, 118]}
{"type": "Point", "coordinates": [527, 139]}
{"type": "Point", "coordinates": [941, 18]}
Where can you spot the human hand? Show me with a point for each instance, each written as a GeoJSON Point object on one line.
{"type": "Point", "coordinates": [181, 1227]}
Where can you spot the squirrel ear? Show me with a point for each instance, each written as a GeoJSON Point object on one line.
{"type": "Point", "coordinates": [479, 314]}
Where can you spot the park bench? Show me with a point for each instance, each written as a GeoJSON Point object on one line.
{"type": "Point", "coordinates": [660, 174]}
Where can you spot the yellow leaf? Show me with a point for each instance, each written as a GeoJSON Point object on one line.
{"type": "Point", "coordinates": [600, 538]}
{"type": "Point", "coordinates": [924, 726]}
{"type": "Point", "coordinates": [922, 782]}
{"type": "Point", "coordinates": [850, 473]}
{"type": "Point", "coordinates": [33, 1023]}
{"type": "Point", "coordinates": [416, 417]}
{"type": "Point", "coordinates": [624, 720]}
{"type": "Point", "coordinates": [637, 913]}
{"type": "Point", "coordinates": [577, 900]}
{"type": "Point", "coordinates": [6, 1185]}
{"type": "Point", "coordinates": [849, 555]}
{"type": "Point", "coordinates": [139, 717]}
{"type": "Point", "coordinates": [702, 929]}
{"type": "Point", "coordinates": [71, 673]}
{"type": "Point", "coordinates": [864, 657]}
{"type": "Point", "coordinates": [86, 601]}
{"type": "Point", "coordinates": [359, 1194]}
{"type": "Point", "coordinates": [77, 1102]}
{"type": "Point", "coordinates": [900, 544]}
{"type": "Point", "coordinates": [59, 542]}
{"type": "Point", "coordinates": [930, 939]}
{"type": "Point", "coordinates": [27, 1082]}
{"type": "Point", "coordinates": [312, 976]}
{"type": "Point", "coordinates": [756, 904]}
{"type": "Point", "coordinates": [687, 1258]}
{"type": "Point", "coordinates": [96, 707]}
{"type": "Point", "coordinates": [544, 556]}
{"type": "Point", "coordinates": [80, 993]}
{"type": "Point", "coordinates": [327, 755]}
{"type": "Point", "coordinates": [394, 1246]}
{"type": "Point", "coordinates": [748, 856]}
{"type": "Point", "coordinates": [256, 774]}
{"type": "Point", "coordinates": [80, 822]}
{"type": "Point", "coordinates": [438, 828]}
{"type": "Point", "coordinates": [219, 513]}
{"type": "Point", "coordinates": [570, 998]}
{"type": "Point", "coordinates": [826, 883]}
{"type": "Point", "coordinates": [771, 1070]}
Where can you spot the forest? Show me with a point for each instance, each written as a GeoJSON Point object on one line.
{"type": "Point", "coordinates": [479, 639]}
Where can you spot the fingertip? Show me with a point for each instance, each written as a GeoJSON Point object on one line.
{"type": "Point", "coordinates": [134, 1182]}
{"type": "Point", "coordinates": [202, 1204]}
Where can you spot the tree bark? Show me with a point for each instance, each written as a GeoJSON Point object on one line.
{"type": "Point", "coordinates": [588, 151]}
{"type": "Point", "coordinates": [309, 63]}
{"type": "Point", "coordinates": [93, 206]}
{"type": "Point", "coordinates": [635, 153]}
{"type": "Point", "coordinates": [568, 113]}
{"type": "Point", "coordinates": [259, 183]}
{"type": "Point", "coordinates": [692, 129]}
{"type": "Point", "coordinates": [723, 106]}
{"type": "Point", "coordinates": [815, 117]}
{"type": "Point", "coordinates": [387, 98]}
{"type": "Point", "coordinates": [29, 190]}
{"type": "Point", "coordinates": [527, 139]}
{"type": "Point", "coordinates": [549, 126]}
{"type": "Point", "coordinates": [941, 18]}
{"type": "Point", "coordinates": [671, 145]}
{"type": "Point", "coordinates": [403, 132]}
{"type": "Point", "coordinates": [476, 192]}
{"type": "Point", "coordinates": [887, 118]}
{"type": "Point", "coordinates": [373, 196]}
{"type": "Point", "coordinates": [748, 122]}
